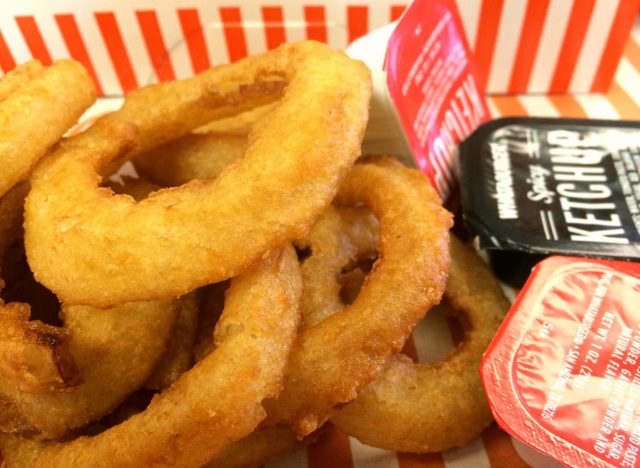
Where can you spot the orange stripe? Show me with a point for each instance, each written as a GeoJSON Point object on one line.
{"type": "Point", "coordinates": [499, 448]}
{"type": "Point", "coordinates": [116, 49]}
{"type": "Point", "coordinates": [632, 53]}
{"type": "Point", "coordinates": [77, 49]}
{"type": "Point", "coordinates": [508, 105]}
{"type": "Point", "coordinates": [488, 23]}
{"type": "Point", "coordinates": [233, 32]}
{"type": "Point", "coordinates": [396, 11]}
{"type": "Point", "coordinates": [567, 106]}
{"type": "Point", "coordinates": [357, 21]}
{"type": "Point", "coordinates": [33, 38]}
{"type": "Point", "coordinates": [7, 62]}
{"type": "Point", "coordinates": [622, 102]}
{"type": "Point", "coordinates": [316, 25]}
{"type": "Point", "coordinates": [416, 460]}
{"type": "Point", "coordinates": [528, 45]}
{"type": "Point", "coordinates": [156, 48]}
{"type": "Point", "coordinates": [571, 45]}
{"type": "Point", "coordinates": [618, 36]}
{"type": "Point", "coordinates": [192, 33]}
{"type": "Point", "coordinates": [332, 449]}
{"type": "Point", "coordinates": [273, 26]}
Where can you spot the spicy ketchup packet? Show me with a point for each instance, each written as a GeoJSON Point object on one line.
{"type": "Point", "coordinates": [563, 372]}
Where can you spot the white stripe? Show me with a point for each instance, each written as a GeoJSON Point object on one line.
{"type": "Point", "coordinates": [432, 337]}
{"type": "Point", "coordinates": [295, 26]}
{"type": "Point", "coordinates": [597, 106]}
{"type": "Point", "coordinates": [553, 31]}
{"type": "Point", "coordinates": [539, 106]}
{"type": "Point", "coordinates": [52, 37]}
{"type": "Point", "coordinates": [378, 15]}
{"type": "Point", "coordinates": [593, 45]}
{"type": "Point", "coordinates": [493, 109]}
{"type": "Point", "coordinates": [469, 14]}
{"type": "Point", "coordinates": [473, 454]}
{"type": "Point", "coordinates": [506, 47]}
{"type": "Point", "coordinates": [254, 28]}
{"type": "Point", "coordinates": [174, 41]}
{"type": "Point", "coordinates": [336, 20]}
{"type": "Point", "coordinates": [14, 39]}
{"type": "Point", "coordinates": [292, 460]}
{"type": "Point", "coordinates": [364, 456]}
{"type": "Point", "coordinates": [97, 51]}
{"type": "Point", "coordinates": [628, 78]}
{"type": "Point", "coordinates": [136, 48]}
{"type": "Point", "coordinates": [213, 31]}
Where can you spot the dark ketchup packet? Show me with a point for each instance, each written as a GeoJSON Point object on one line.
{"type": "Point", "coordinates": [562, 374]}
{"type": "Point", "coordinates": [532, 187]}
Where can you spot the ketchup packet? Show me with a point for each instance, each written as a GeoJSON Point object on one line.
{"type": "Point", "coordinates": [532, 187]}
{"type": "Point", "coordinates": [563, 372]}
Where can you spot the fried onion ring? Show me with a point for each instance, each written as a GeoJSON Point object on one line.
{"type": "Point", "coordinates": [434, 407]}
{"type": "Point", "coordinates": [215, 403]}
{"type": "Point", "coordinates": [35, 113]}
{"type": "Point", "coordinates": [80, 248]}
{"type": "Point", "coordinates": [333, 359]}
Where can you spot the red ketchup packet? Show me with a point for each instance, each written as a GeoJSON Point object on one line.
{"type": "Point", "coordinates": [563, 372]}
{"type": "Point", "coordinates": [432, 84]}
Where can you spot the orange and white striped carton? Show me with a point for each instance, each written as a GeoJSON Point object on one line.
{"type": "Point", "coordinates": [547, 46]}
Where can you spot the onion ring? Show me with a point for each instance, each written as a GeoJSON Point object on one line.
{"type": "Point", "coordinates": [79, 247]}
{"type": "Point", "coordinates": [336, 357]}
{"type": "Point", "coordinates": [206, 409]}
{"type": "Point", "coordinates": [35, 113]}
{"type": "Point", "coordinates": [434, 407]}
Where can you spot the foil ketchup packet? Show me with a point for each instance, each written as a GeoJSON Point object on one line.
{"type": "Point", "coordinates": [562, 374]}
{"type": "Point", "coordinates": [532, 187]}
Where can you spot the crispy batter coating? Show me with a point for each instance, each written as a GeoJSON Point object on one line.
{"type": "Point", "coordinates": [428, 407]}
{"type": "Point", "coordinates": [78, 244]}
{"type": "Point", "coordinates": [333, 359]}
{"type": "Point", "coordinates": [215, 403]}
{"type": "Point", "coordinates": [35, 113]}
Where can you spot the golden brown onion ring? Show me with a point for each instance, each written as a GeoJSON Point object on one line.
{"type": "Point", "coordinates": [215, 403]}
{"type": "Point", "coordinates": [37, 106]}
{"type": "Point", "coordinates": [428, 407]}
{"type": "Point", "coordinates": [78, 243]}
{"type": "Point", "coordinates": [333, 359]}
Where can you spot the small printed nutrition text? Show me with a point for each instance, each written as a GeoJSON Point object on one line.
{"type": "Point", "coordinates": [618, 437]}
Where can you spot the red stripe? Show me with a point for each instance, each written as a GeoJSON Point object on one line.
{"type": "Point", "coordinates": [420, 460]}
{"type": "Point", "coordinates": [156, 48]}
{"type": "Point", "coordinates": [396, 11]}
{"type": "Point", "coordinates": [75, 44]}
{"type": "Point", "coordinates": [618, 36]}
{"type": "Point", "coordinates": [33, 38]}
{"type": "Point", "coordinates": [316, 24]}
{"type": "Point", "coordinates": [233, 32]}
{"type": "Point", "coordinates": [192, 32]}
{"type": "Point", "coordinates": [528, 45]}
{"type": "Point", "coordinates": [273, 26]}
{"type": "Point", "coordinates": [117, 51]}
{"type": "Point", "coordinates": [7, 62]}
{"type": "Point", "coordinates": [357, 21]}
{"type": "Point", "coordinates": [571, 45]}
{"type": "Point", "coordinates": [488, 23]}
